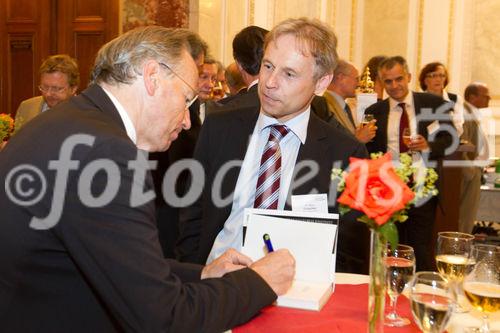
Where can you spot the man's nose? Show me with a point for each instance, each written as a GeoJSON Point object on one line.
{"type": "Point", "coordinates": [186, 121]}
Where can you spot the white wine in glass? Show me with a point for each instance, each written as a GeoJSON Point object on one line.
{"type": "Point", "coordinates": [407, 137]}
{"type": "Point", "coordinates": [431, 302]}
{"type": "Point", "coordinates": [400, 267]}
{"type": "Point", "coordinates": [454, 260]}
{"type": "Point", "coordinates": [482, 285]}
{"type": "Point", "coordinates": [367, 119]}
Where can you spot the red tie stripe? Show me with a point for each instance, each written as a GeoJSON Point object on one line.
{"type": "Point", "coordinates": [268, 181]}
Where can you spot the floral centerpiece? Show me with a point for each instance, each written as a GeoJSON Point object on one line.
{"type": "Point", "coordinates": [383, 190]}
{"type": "Point", "coordinates": [6, 126]}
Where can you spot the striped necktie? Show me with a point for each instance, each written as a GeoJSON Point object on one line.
{"type": "Point", "coordinates": [268, 181]}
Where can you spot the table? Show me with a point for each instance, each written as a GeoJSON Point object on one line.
{"type": "Point", "coordinates": [346, 311]}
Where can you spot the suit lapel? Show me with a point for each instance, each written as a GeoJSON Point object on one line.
{"type": "Point", "coordinates": [235, 144]}
{"type": "Point", "coordinates": [314, 149]}
{"type": "Point", "coordinates": [383, 122]}
{"type": "Point", "coordinates": [339, 113]}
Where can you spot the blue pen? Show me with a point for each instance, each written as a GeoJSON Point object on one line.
{"type": "Point", "coordinates": [267, 241]}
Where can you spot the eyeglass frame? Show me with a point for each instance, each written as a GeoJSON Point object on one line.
{"type": "Point", "coordinates": [436, 75]}
{"type": "Point", "coordinates": [56, 90]}
{"type": "Point", "coordinates": [190, 102]}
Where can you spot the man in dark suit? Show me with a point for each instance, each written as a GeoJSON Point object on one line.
{"type": "Point", "coordinates": [167, 214]}
{"type": "Point", "coordinates": [427, 117]}
{"type": "Point", "coordinates": [82, 253]}
{"type": "Point", "coordinates": [289, 78]}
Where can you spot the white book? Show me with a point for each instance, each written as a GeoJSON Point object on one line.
{"type": "Point", "coordinates": [312, 240]}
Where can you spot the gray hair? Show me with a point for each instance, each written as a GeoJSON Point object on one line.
{"type": "Point", "coordinates": [313, 37]}
{"type": "Point", "coordinates": [390, 62]}
{"type": "Point", "coordinates": [120, 60]}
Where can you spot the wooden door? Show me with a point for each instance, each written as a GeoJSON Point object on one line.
{"type": "Point", "coordinates": [84, 26]}
{"type": "Point", "coordinates": [24, 42]}
{"type": "Point", "coordinates": [31, 30]}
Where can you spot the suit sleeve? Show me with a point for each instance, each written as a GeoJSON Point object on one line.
{"type": "Point", "coordinates": [190, 218]}
{"type": "Point", "coordinates": [443, 138]}
{"type": "Point", "coordinates": [117, 251]}
{"type": "Point", "coordinates": [375, 145]}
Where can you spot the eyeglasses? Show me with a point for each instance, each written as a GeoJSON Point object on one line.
{"type": "Point", "coordinates": [436, 75]}
{"type": "Point", "coordinates": [52, 89]}
{"type": "Point", "coordinates": [192, 100]}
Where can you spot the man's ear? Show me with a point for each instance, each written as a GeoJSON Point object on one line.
{"type": "Point", "coordinates": [322, 84]}
{"type": "Point", "coordinates": [151, 76]}
{"type": "Point", "coordinates": [409, 77]}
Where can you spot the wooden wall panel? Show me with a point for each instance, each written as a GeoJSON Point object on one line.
{"type": "Point", "coordinates": [90, 8]}
{"type": "Point", "coordinates": [31, 30]}
{"type": "Point", "coordinates": [24, 42]}
{"type": "Point", "coordinates": [21, 10]}
{"type": "Point", "coordinates": [87, 25]}
{"type": "Point", "coordinates": [21, 75]}
{"type": "Point", "coordinates": [87, 44]}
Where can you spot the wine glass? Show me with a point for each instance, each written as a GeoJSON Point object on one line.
{"type": "Point", "coordinates": [367, 119]}
{"type": "Point", "coordinates": [400, 267]}
{"type": "Point", "coordinates": [431, 302]}
{"type": "Point", "coordinates": [482, 285]}
{"type": "Point", "coordinates": [454, 260]}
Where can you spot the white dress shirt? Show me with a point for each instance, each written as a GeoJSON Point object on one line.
{"type": "Point", "coordinates": [395, 112]}
{"type": "Point", "coordinates": [129, 126]}
{"type": "Point", "coordinates": [231, 236]}
{"type": "Point", "coordinates": [458, 112]}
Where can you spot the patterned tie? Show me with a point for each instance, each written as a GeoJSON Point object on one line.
{"type": "Point", "coordinates": [268, 181]}
{"type": "Point", "coordinates": [403, 123]}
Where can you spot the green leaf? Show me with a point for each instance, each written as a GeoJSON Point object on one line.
{"type": "Point", "coordinates": [390, 232]}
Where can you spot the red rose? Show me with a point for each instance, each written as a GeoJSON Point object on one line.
{"type": "Point", "coordinates": [373, 187]}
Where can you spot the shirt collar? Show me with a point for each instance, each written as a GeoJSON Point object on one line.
{"type": "Point", "coordinates": [408, 101]}
{"type": "Point", "coordinates": [297, 125]}
{"type": "Point", "coordinates": [129, 126]}
{"type": "Point", "coordinates": [338, 98]}
{"type": "Point", "coordinates": [253, 83]}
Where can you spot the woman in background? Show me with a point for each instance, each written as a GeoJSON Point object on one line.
{"type": "Point", "coordinates": [434, 79]}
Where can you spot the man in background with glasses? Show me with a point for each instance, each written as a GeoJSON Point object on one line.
{"type": "Point", "coordinates": [59, 80]}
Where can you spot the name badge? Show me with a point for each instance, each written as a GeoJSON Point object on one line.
{"type": "Point", "coordinates": [433, 127]}
{"type": "Point", "coordinates": [313, 203]}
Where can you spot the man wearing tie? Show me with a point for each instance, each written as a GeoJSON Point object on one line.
{"type": "Point", "coordinates": [405, 109]}
{"type": "Point", "coordinates": [259, 156]}
{"type": "Point", "coordinates": [344, 83]}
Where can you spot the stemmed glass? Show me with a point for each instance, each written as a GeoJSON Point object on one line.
{"type": "Point", "coordinates": [454, 260]}
{"type": "Point", "coordinates": [400, 267]}
{"type": "Point", "coordinates": [482, 285]}
{"type": "Point", "coordinates": [407, 139]}
{"type": "Point", "coordinates": [431, 302]}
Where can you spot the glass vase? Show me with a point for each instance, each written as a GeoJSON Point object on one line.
{"type": "Point", "coordinates": [376, 291]}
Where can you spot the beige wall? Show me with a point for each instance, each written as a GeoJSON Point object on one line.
{"type": "Point", "coordinates": [486, 50]}
{"type": "Point", "coordinates": [385, 28]}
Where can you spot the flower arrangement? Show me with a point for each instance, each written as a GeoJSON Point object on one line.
{"type": "Point", "coordinates": [383, 191]}
{"type": "Point", "coordinates": [6, 126]}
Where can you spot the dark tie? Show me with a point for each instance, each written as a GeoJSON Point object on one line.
{"type": "Point", "coordinates": [403, 123]}
{"type": "Point", "coordinates": [268, 181]}
{"type": "Point", "coordinates": [349, 114]}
